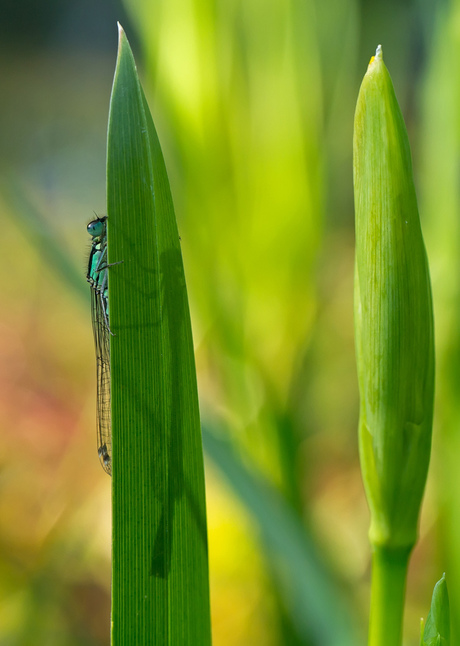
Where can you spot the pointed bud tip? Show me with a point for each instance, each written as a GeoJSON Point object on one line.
{"type": "Point", "coordinates": [377, 58]}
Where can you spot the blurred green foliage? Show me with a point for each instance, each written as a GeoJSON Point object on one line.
{"type": "Point", "coordinates": [253, 103]}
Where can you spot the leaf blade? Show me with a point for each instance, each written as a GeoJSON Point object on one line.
{"type": "Point", "coordinates": [160, 572]}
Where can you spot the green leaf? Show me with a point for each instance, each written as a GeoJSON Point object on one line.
{"type": "Point", "coordinates": [437, 627]}
{"type": "Point", "coordinates": [160, 591]}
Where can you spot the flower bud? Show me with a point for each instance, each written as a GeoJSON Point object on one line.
{"type": "Point", "coordinates": [393, 316]}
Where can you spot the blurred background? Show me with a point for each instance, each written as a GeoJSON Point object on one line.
{"type": "Point", "coordinates": [253, 102]}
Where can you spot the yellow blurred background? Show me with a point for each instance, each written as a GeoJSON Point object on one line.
{"type": "Point", "coordinates": [253, 103]}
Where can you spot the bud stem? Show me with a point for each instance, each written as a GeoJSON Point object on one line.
{"type": "Point", "coordinates": [389, 570]}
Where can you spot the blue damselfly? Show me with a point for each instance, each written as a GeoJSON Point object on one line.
{"type": "Point", "coordinates": [97, 276]}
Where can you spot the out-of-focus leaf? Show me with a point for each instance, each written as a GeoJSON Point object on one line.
{"type": "Point", "coordinates": [437, 627]}
{"type": "Point", "coordinates": [42, 235]}
{"type": "Point", "coordinates": [317, 610]}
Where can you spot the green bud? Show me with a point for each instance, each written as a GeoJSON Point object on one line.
{"type": "Point", "coordinates": [393, 316]}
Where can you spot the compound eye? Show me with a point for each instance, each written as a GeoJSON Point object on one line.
{"type": "Point", "coordinates": [95, 228]}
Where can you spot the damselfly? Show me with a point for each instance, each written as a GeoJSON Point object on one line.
{"type": "Point", "coordinates": [97, 276]}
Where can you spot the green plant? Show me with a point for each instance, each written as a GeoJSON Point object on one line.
{"type": "Point", "coordinates": [394, 344]}
{"type": "Point", "coordinates": [160, 589]}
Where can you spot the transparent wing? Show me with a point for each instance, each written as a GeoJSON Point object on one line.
{"type": "Point", "coordinates": [101, 339]}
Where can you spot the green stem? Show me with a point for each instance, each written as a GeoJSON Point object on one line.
{"type": "Point", "coordinates": [389, 570]}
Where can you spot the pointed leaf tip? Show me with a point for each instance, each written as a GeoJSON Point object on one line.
{"type": "Point", "coordinates": [121, 35]}
{"type": "Point", "coordinates": [437, 626]}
